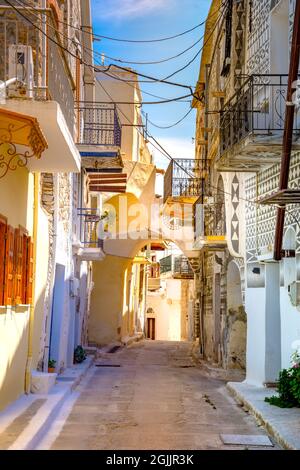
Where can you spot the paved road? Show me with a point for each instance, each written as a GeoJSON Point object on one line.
{"type": "Point", "coordinates": [156, 399]}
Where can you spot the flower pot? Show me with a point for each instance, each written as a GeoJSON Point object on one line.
{"type": "Point", "coordinates": [51, 370]}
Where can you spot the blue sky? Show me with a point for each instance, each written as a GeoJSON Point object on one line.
{"type": "Point", "coordinates": [148, 19]}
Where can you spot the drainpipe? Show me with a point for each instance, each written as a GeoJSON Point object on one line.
{"type": "Point", "coordinates": [288, 130]}
{"type": "Point", "coordinates": [31, 308]}
{"type": "Point", "coordinates": [44, 46]}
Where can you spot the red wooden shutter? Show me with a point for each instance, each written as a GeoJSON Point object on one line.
{"type": "Point", "coordinates": [29, 272]}
{"type": "Point", "coordinates": [3, 228]}
{"type": "Point", "coordinates": [18, 268]}
{"type": "Point", "coordinates": [9, 267]}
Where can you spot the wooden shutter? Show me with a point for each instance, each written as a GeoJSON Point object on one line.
{"type": "Point", "coordinates": [29, 272]}
{"type": "Point", "coordinates": [3, 228]}
{"type": "Point", "coordinates": [9, 267]}
{"type": "Point", "coordinates": [18, 268]}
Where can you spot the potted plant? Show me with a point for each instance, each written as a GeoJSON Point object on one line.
{"type": "Point", "coordinates": [79, 355]}
{"type": "Point", "coordinates": [51, 366]}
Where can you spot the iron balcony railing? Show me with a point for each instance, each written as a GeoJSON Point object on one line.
{"type": "Point", "coordinates": [91, 228]}
{"type": "Point", "coordinates": [39, 65]}
{"type": "Point", "coordinates": [99, 124]}
{"type": "Point", "coordinates": [184, 177]}
{"type": "Point", "coordinates": [257, 108]}
{"type": "Point", "coordinates": [178, 266]}
{"type": "Point", "coordinates": [182, 267]}
{"type": "Point", "coordinates": [166, 264]}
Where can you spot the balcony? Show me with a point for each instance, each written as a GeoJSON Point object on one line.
{"type": "Point", "coordinates": [184, 179]}
{"type": "Point", "coordinates": [154, 277]}
{"type": "Point", "coordinates": [99, 136]}
{"type": "Point", "coordinates": [177, 267]}
{"type": "Point", "coordinates": [92, 235]}
{"type": "Point", "coordinates": [252, 125]}
{"type": "Point", "coordinates": [42, 85]}
{"type": "Point", "coordinates": [210, 227]}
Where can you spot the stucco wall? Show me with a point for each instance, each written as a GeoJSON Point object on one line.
{"type": "Point", "coordinates": [107, 300]}
{"type": "Point", "coordinates": [16, 197]}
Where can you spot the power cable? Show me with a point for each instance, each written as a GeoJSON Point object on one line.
{"type": "Point", "coordinates": [94, 52]}
{"type": "Point", "coordinates": [163, 80]}
{"type": "Point", "coordinates": [89, 65]}
{"type": "Point", "coordinates": [166, 79]}
{"type": "Point", "coordinates": [142, 41]}
{"type": "Point", "coordinates": [162, 150]}
{"type": "Point", "coordinates": [171, 125]}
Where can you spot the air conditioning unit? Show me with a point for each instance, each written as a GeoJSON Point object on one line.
{"type": "Point", "coordinates": [21, 67]}
{"type": "Point", "coordinates": [294, 293]}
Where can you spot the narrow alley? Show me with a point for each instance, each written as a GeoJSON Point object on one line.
{"type": "Point", "coordinates": [150, 396]}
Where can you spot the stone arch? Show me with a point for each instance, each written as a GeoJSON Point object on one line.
{"type": "Point", "coordinates": [235, 329]}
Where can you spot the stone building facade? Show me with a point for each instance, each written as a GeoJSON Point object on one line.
{"type": "Point", "coordinates": [240, 119]}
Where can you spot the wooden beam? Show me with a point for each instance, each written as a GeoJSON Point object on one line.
{"type": "Point", "coordinates": [112, 181]}
{"type": "Point", "coordinates": [108, 189]}
{"type": "Point", "coordinates": [96, 176]}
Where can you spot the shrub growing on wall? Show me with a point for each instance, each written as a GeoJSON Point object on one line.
{"type": "Point", "coordinates": [79, 355]}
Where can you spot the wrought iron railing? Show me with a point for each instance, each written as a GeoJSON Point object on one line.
{"type": "Point", "coordinates": [166, 264]}
{"type": "Point", "coordinates": [184, 177]}
{"type": "Point", "coordinates": [99, 125]}
{"type": "Point", "coordinates": [257, 108]}
{"type": "Point", "coordinates": [176, 265]}
{"type": "Point", "coordinates": [182, 267]}
{"type": "Point", "coordinates": [41, 70]}
{"type": "Point", "coordinates": [91, 228]}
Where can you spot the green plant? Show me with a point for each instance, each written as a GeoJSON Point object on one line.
{"type": "Point", "coordinates": [288, 387]}
{"type": "Point", "coordinates": [51, 363]}
{"type": "Point", "coordinates": [79, 354]}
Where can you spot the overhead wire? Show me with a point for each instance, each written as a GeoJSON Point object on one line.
{"type": "Point", "coordinates": [161, 149]}
{"type": "Point", "coordinates": [141, 41]}
{"type": "Point", "coordinates": [89, 65]}
{"type": "Point", "coordinates": [22, 2]}
{"type": "Point", "coordinates": [170, 125]}
{"type": "Point", "coordinates": [153, 79]}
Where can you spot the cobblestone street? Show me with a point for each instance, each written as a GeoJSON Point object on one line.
{"type": "Point", "coordinates": [150, 396]}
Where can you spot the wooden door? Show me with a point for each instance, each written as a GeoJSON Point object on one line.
{"type": "Point", "coordinates": [151, 328]}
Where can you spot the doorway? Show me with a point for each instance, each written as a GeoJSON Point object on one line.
{"type": "Point", "coordinates": [151, 328]}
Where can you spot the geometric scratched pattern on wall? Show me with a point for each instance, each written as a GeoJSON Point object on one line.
{"type": "Point", "coordinates": [260, 220]}
{"type": "Point", "coordinates": [235, 226]}
{"type": "Point", "coordinates": [258, 39]}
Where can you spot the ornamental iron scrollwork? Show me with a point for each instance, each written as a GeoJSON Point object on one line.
{"type": "Point", "coordinates": [10, 158]}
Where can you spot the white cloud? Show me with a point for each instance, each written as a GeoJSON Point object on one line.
{"type": "Point", "coordinates": [176, 147]}
{"type": "Point", "coordinates": [118, 9]}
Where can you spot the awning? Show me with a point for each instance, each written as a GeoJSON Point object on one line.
{"type": "Point", "coordinates": [21, 139]}
{"type": "Point", "coordinates": [62, 154]}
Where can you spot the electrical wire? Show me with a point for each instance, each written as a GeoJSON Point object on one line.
{"type": "Point", "coordinates": [166, 79]}
{"type": "Point", "coordinates": [168, 59]}
{"type": "Point", "coordinates": [171, 125]}
{"type": "Point", "coordinates": [141, 41]}
{"type": "Point", "coordinates": [94, 52]}
{"type": "Point", "coordinates": [161, 148]}
{"type": "Point", "coordinates": [89, 65]}
{"type": "Point", "coordinates": [152, 79]}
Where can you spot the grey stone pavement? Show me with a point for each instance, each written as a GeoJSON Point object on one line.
{"type": "Point", "coordinates": [157, 399]}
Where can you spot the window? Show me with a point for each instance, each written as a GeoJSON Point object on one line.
{"type": "Point", "coordinates": [16, 270]}
{"type": "Point", "coordinates": [228, 38]}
